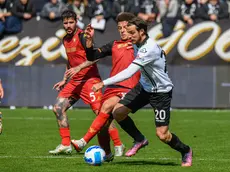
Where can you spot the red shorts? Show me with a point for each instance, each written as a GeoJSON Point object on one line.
{"type": "Point", "coordinates": [84, 91]}
{"type": "Point", "coordinates": [111, 92]}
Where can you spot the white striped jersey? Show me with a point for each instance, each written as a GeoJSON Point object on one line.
{"type": "Point", "coordinates": [154, 75]}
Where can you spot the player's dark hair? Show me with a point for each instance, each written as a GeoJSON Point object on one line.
{"type": "Point", "coordinates": [124, 16]}
{"type": "Point", "coordinates": [68, 14]}
{"type": "Point", "coordinates": [139, 23]}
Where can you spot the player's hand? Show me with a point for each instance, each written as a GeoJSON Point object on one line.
{"type": "Point", "coordinates": [129, 46]}
{"type": "Point", "coordinates": [72, 71]}
{"type": "Point", "coordinates": [1, 91]}
{"type": "Point", "coordinates": [97, 86]}
{"type": "Point", "coordinates": [89, 31]}
{"type": "Point", "coordinates": [60, 85]}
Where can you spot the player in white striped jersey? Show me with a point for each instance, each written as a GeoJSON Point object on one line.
{"type": "Point", "coordinates": [154, 88]}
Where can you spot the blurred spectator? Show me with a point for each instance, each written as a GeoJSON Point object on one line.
{"type": "Point", "coordinates": [98, 12]}
{"type": "Point", "coordinates": [214, 10]}
{"type": "Point", "coordinates": [188, 11]}
{"type": "Point", "coordinates": [8, 23]}
{"type": "Point", "coordinates": [122, 6]}
{"type": "Point", "coordinates": [169, 15]}
{"type": "Point", "coordinates": [52, 10]}
{"type": "Point", "coordinates": [23, 9]}
{"type": "Point", "coordinates": [79, 8]}
{"type": "Point", "coordinates": [39, 4]}
{"type": "Point", "coordinates": [147, 10]}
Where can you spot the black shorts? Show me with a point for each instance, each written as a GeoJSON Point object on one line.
{"type": "Point", "coordinates": [138, 98]}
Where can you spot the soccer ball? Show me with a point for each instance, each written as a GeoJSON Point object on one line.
{"type": "Point", "coordinates": [94, 155]}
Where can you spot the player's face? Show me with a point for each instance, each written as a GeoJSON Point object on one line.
{"type": "Point", "coordinates": [69, 25]}
{"type": "Point", "coordinates": [134, 34]}
{"type": "Point", "coordinates": [121, 26]}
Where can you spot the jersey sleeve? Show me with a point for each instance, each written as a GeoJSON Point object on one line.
{"type": "Point", "coordinates": [123, 75]}
{"type": "Point", "coordinates": [144, 56]}
{"type": "Point", "coordinates": [82, 40]}
{"type": "Point", "coordinates": [98, 53]}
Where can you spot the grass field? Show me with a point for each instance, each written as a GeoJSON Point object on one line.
{"type": "Point", "coordinates": [29, 133]}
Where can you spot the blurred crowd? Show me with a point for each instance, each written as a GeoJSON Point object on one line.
{"type": "Point", "coordinates": [13, 12]}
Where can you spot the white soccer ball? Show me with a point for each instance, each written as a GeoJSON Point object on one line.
{"type": "Point", "coordinates": [94, 155]}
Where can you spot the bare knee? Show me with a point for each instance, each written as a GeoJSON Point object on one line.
{"type": "Point", "coordinates": [106, 108]}
{"type": "Point", "coordinates": [120, 112]}
{"type": "Point", "coordinates": [58, 110]}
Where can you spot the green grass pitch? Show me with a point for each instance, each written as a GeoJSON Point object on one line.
{"type": "Point", "coordinates": [29, 134]}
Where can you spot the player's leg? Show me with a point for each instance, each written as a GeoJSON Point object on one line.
{"type": "Point", "coordinates": [107, 108]}
{"type": "Point", "coordinates": [60, 108]}
{"type": "Point", "coordinates": [110, 98]}
{"type": "Point", "coordinates": [132, 101]}
{"type": "Point", "coordinates": [161, 104]}
{"type": "Point", "coordinates": [64, 101]}
{"type": "Point", "coordinates": [94, 99]}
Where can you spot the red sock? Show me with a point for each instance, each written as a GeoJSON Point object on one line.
{"type": "Point", "coordinates": [113, 132]}
{"type": "Point", "coordinates": [96, 126]}
{"type": "Point", "coordinates": [65, 135]}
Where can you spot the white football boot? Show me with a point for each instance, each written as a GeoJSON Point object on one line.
{"type": "Point", "coordinates": [79, 144]}
{"type": "Point", "coordinates": [61, 149]}
{"type": "Point", "coordinates": [119, 150]}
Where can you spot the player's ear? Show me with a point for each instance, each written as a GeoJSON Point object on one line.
{"type": "Point", "coordinates": [142, 32]}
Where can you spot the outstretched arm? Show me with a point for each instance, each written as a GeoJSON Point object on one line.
{"type": "Point", "coordinates": [93, 53]}
{"type": "Point", "coordinates": [72, 71]}
{"type": "Point", "coordinates": [123, 75]}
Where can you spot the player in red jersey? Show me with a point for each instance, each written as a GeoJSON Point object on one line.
{"type": "Point", "coordinates": [122, 57]}
{"type": "Point", "coordinates": [79, 86]}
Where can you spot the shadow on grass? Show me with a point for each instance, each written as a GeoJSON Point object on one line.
{"type": "Point", "coordinates": [144, 162]}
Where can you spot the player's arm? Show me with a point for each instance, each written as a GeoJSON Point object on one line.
{"type": "Point", "coordinates": [93, 53]}
{"type": "Point", "coordinates": [58, 86]}
{"type": "Point", "coordinates": [98, 53]}
{"type": "Point", "coordinates": [73, 71]}
{"type": "Point", "coordinates": [123, 75]}
{"type": "Point", "coordinates": [143, 58]}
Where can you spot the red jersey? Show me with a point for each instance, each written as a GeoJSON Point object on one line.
{"type": "Point", "coordinates": [121, 59]}
{"type": "Point", "coordinates": [75, 50]}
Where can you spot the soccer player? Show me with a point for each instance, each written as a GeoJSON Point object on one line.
{"type": "Point", "coordinates": [1, 96]}
{"type": "Point", "coordinates": [155, 88]}
{"type": "Point", "coordinates": [122, 57]}
{"type": "Point", "coordinates": [79, 86]}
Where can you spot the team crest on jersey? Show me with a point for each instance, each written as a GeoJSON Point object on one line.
{"type": "Point", "coordinates": [143, 50]}
{"type": "Point", "coordinates": [122, 45]}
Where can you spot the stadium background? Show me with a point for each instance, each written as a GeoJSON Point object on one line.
{"type": "Point", "coordinates": [29, 72]}
{"type": "Point", "coordinates": [198, 56]}
{"type": "Point", "coordinates": [32, 61]}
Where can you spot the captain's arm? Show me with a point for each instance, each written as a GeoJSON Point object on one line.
{"type": "Point", "coordinates": [123, 75]}
{"type": "Point", "coordinates": [98, 53]}
{"type": "Point", "coordinates": [93, 53]}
